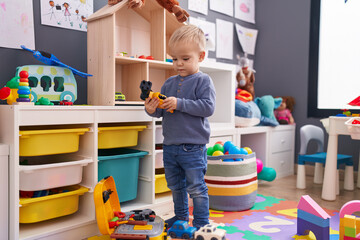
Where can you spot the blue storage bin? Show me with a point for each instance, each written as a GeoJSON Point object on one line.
{"type": "Point", "coordinates": [123, 165]}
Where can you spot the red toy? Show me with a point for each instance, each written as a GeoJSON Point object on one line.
{"type": "Point", "coordinates": [66, 102]}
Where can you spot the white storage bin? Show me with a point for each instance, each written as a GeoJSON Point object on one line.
{"type": "Point", "coordinates": [159, 138]}
{"type": "Point", "coordinates": [159, 159]}
{"type": "Point", "coordinates": [51, 171]}
{"type": "Point", "coordinates": [354, 129]}
{"type": "Point", "coordinates": [4, 159]}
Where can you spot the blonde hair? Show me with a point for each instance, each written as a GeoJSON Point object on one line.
{"type": "Point", "coordinates": [188, 34]}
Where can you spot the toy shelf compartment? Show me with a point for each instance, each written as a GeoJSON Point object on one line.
{"type": "Point", "coordinates": [39, 209]}
{"type": "Point", "coordinates": [118, 136]}
{"type": "Point", "coordinates": [52, 171]}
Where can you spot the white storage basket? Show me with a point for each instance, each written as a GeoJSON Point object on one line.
{"type": "Point", "coordinates": [51, 171]}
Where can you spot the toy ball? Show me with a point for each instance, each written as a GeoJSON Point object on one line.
{"type": "Point", "coordinates": [210, 151]}
{"type": "Point", "coordinates": [220, 142]}
{"type": "Point", "coordinates": [226, 153]}
{"type": "Point", "coordinates": [243, 151]}
{"type": "Point", "coordinates": [218, 153]}
{"type": "Point", "coordinates": [227, 145]}
{"type": "Point", "coordinates": [249, 151]}
{"type": "Point", "coordinates": [218, 147]}
{"type": "Point", "coordinates": [267, 174]}
{"type": "Point", "coordinates": [259, 165]}
{"type": "Point", "coordinates": [235, 150]}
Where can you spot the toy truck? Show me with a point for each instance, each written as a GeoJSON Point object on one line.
{"type": "Point", "coordinates": [137, 224]}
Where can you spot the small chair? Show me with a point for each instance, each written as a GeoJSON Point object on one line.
{"type": "Point", "coordinates": [312, 132]}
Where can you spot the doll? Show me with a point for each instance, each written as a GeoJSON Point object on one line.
{"type": "Point", "coordinates": [171, 5]}
{"type": "Point", "coordinates": [283, 113]}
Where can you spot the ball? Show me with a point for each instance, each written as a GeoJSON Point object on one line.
{"type": "Point", "coordinates": [259, 165]}
{"type": "Point", "coordinates": [249, 151]}
{"type": "Point", "coordinates": [218, 147]}
{"type": "Point", "coordinates": [218, 153]}
{"type": "Point", "coordinates": [227, 145]}
{"type": "Point", "coordinates": [210, 151]}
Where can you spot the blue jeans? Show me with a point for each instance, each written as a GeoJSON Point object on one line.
{"type": "Point", "coordinates": [185, 167]}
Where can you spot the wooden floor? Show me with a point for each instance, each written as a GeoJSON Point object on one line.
{"type": "Point", "coordinates": [286, 188]}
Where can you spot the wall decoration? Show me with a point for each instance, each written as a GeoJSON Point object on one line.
{"type": "Point", "coordinates": [245, 10]}
{"type": "Point", "coordinates": [66, 13]}
{"type": "Point", "coordinates": [224, 39]}
{"type": "Point", "coordinates": [200, 6]}
{"type": "Point", "coordinates": [247, 38]}
{"type": "Point", "coordinates": [16, 23]}
{"type": "Point", "coordinates": [223, 6]}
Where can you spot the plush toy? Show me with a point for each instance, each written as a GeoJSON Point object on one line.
{"type": "Point", "coordinates": [267, 104]}
{"type": "Point", "coordinates": [283, 112]}
{"type": "Point", "coordinates": [171, 5]}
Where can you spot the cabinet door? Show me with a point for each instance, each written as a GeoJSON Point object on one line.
{"type": "Point", "coordinates": [283, 163]}
{"type": "Point", "coordinates": [282, 141]}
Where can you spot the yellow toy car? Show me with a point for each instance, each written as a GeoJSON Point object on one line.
{"type": "Point", "coordinates": [137, 224]}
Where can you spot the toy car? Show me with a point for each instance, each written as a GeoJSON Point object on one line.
{"type": "Point", "coordinates": [119, 96]}
{"type": "Point", "coordinates": [66, 102]}
{"type": "Point", "coordinates": [181, 229]}
{"type": "Point", "coordinates": [210, 232]}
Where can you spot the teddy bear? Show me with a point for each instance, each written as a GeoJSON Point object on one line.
{"type": "Point", "coordinates": [247, 111]}
{"type": "Point", "coordinates": [171, 5]}
{"type": "Point", "coordinates": [283, 112]}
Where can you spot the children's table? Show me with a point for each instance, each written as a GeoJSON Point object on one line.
{"type": "Point", "coordinates": [336, 127]}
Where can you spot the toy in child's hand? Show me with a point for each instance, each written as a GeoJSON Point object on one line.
{"type": "Point", "coordinates": [283, 112]}
{"type": "Point", "coordinates": [146, 92]}
{"type": "Point", "coordinates": [50, 59]}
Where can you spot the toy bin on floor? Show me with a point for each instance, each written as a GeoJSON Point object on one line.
{"type": "Point", "coordinates": [4, 163]}
{"type": "Point", "coordinates": [123, 165]}
{"type": "Point", "coordinates": [232, 184]}
{"type": "Point", "coordinates": [50, 141]}
{"type": "Point", "coordinates": [52, 206]}
{"type": "Point", "coordinates": [45, 172]}
{"type": "Point", "coordinates": [117, 137]}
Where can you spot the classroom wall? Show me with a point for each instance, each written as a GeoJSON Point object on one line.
{"type": "Point", "coordinates": [281, 60]}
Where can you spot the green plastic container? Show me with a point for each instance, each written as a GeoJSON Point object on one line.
{"type": "Point", "coordinates": [123, 165]}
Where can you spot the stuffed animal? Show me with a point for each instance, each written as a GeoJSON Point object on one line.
{"type": "Point", "coordinates": [267, 104]}
{"type": "Point", "coordinates": [283, 112]}
{"type": "Point", "coordinates": [171, 5]}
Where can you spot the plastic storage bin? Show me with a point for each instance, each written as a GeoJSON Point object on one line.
{"type": "Point", "coordinates": [161, 184]}
{"type": "Point", "coordinates": [51, 171]}
{"type": "Point", "coordinates": [123, 165]}
{"type": "Point", "coordinates": [52, 206]}
{"type": "Point", "coordinates": [4, 162]}
{"type": "Point", "coordinates": [232, 186]}
{"type": "Point", "coordinates": [48, 142]}
{"type": "Point", "coordinates": [116, 137]}
{"type": "Point", "coordinates": [354, 129]}
{"type": "Point", "coordinates": [159, 163]}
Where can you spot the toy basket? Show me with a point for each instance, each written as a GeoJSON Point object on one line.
{"type": "Point", "coordinates": [232, 185]}
{"type": "Point", "coordinates": [116, 137]}
{"type": "Point", "coordinates": [354, 129]}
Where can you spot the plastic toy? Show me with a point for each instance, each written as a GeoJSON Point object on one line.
{"type": "Point", "coordinates": [52, 82]}
{"type": "Point", "coordinates": [23, 89]}
{"type": "Point", "coordinates": [44, 101]}
{"type": "Point", "coordinates": [267, 174]}
{"type": "Point", "coordinates": [311, 217]}
{"type": "Point", "coordinates": [210, 232]}
{"type": "Point", "coordinates": [9, 92]}
{"type": "Point", "coordinates": [181, 229]}
{"type": "Point", "coordinates": [146, 92]}
{"type": "Point", "coordinates": [349, 225]}
{"type": "Point", "coordinates": [50, 59]}
{"type": "Point", "coordinates": [119, 225]}
{"type": "Point", "coordinates": [119, 96]}
{"type": "Point", "coordinates": [355, 102]}
{"type": "Point", "coordinates": [66, 102]}
{"type": "Point", "coordinates": [148, 57]}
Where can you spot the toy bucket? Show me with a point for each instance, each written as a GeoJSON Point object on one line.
{"type": "Point", "coordinates": [232, 185]}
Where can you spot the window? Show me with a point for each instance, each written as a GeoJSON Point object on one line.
{"type": "Point", "coordinates": [334, 58]}
{"type": "Point", "coordinates": [59, 84]}
{"type": "Point", "coordinates": [33, 82]}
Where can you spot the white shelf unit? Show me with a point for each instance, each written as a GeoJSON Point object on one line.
{"type": "Point", "coordinates": [274, 146]}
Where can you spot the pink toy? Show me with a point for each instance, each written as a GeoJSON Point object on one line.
{"type": "Point", "coordinates": [259, 165]}
{"type": "Point", "coordinates": [307, 204]}
{"type": "Point", "coordinates": [347, 220]}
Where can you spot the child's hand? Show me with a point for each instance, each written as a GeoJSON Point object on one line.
{"type": "Point", "coordinates": [170, 104]}
{"type": "Point", "coordinates": [151, 104]}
